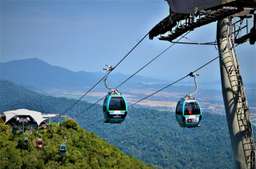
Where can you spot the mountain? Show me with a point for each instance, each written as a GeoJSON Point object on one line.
{"type": "Point", "coordinates": [38, 74]}
{"type": "Point", "coordinates": [84, 149]}
{"type": "Point", "coordinates": [149, 135]}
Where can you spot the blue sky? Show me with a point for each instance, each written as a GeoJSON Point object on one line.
{"type": "Point", "coordinates": [87, 34]}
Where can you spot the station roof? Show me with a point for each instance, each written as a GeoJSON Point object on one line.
{"type": "Point", "coordinates": [38, 117]}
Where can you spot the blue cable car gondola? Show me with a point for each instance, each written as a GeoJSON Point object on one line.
{"type": "Point", "coordinates": [114, 107]}
{"type": "Point", "coordinates": [188, 112]}
{"type": "Point", "coordinates": [63, 149]}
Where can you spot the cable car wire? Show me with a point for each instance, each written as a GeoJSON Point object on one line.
{"type": "Point", "coordinates": [102, 78]}
{"type": "Point", "coordinates": [195, 43]}
{"type": "Point", "coordinates": [131, 50]}
{"type": "Point", "coordinates": [151, 61]}
{"type": "Point", "coordinates": [178, 80]}
{"type": "Point", "coordinates": [147, 64]}
{"type": "Point", "coordinates": [95, 103]}
{"type": "Point", "coordinates": [82, 96]}
{"type": "Point", "coordinates": [154, 93]}
{"type": "Point", "coordinates": [140, 69]}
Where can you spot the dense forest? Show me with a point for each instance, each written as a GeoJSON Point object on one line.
{"type": "Point", "coordinates": [150, 135]}
{"type": "Point", "coordinates": [83, 150]}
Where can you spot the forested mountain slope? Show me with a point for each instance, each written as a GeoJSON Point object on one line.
{"type": "Point", "coordinates": [84, 150]}
{"type": "Point", "coordinates": [150, 135]}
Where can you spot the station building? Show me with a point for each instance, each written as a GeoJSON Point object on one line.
{"type": "Point", "coordinates": [24, 119]}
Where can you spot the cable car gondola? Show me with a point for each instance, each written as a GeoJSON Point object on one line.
{"type": "Point", "coordinates": [39, 143]}
{"type": "Point", "coordinates": [188, 113]}
{"type": "Point", "coordinates": [114, 107]}
{"type": "Point", "coordinates": [63, 149]}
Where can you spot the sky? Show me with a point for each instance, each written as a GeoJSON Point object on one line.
{"type": "Point", "coordinates": [84, 35]}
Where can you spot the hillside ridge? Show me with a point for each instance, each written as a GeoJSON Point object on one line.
{"type": "Point", "coordinates": [83, 149]}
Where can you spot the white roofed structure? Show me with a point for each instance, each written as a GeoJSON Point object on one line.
{"type": "Point", "coordinates": [26, 116]}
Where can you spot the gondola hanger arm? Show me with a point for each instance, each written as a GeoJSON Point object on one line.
{"type": "Point", "coordinates": [108, 69]}
{"type": "Point", "coordinates": [194, 75]}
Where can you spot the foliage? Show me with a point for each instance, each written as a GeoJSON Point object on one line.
{"type": "Point", "coordinates": [4, 128]}
{"type": "Point", "coordinates": [85, 150]}
{"type": "Point", "coordinates": [70, 123]}
{"type": "Point", "coordinates": [150, 135]}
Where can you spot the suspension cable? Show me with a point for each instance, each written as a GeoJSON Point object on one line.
{"type": "Point", "coordinates": [167, 86]}
{"type": "Point", "coordinates": [151, 61]}
{"type": "Point", "coordinates": [148, 63]}
{"type": "Point", "coordinates": [140, 69]}
{"type": "Point", "coordinates": [95, 103]}
{"type": "Point", "coordinates": [102, 78]}
{"type": "Point", "coordinates": [82, 96]}
{"type": "Point", "coordinates": [131, 50]}
{"type": "Point", "coordinates": [178, 80]}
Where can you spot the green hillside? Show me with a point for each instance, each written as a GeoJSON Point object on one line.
{"type": "Point", "coordinates": [149, 135]}
{"type": "Point", "coordinates": [84, 150]}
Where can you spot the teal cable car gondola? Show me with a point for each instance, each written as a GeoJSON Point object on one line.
{"type": "Point", "coordinates": [63, 149]}
{"type": "Point", "coordinates": [114, 107]}
{"type": "Point", "coordinates": [188, 112]}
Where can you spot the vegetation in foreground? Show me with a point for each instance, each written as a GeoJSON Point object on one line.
{"type": "Point", "coordinates": [84, 149]}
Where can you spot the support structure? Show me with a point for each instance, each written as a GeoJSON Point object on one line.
{"type": "Point", "coordinates": [236, 106]}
